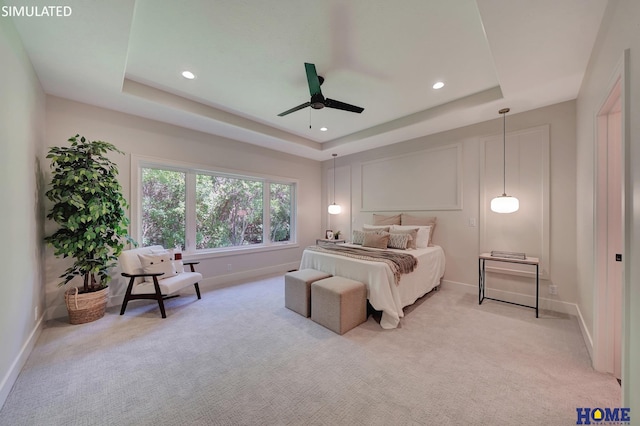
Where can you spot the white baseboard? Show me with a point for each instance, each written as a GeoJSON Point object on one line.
{"type": "Point", "coordinates": [239, 277]}
{"type": "Point", "coordinates": [523, 299]}
{"type": "Point", "coordinates": [588, 340]}
{"type": "Point", "coordinates": [10, 378]}
{"type": "Point", "coordinates": [219, 281]}
{"type": "Point", "coordinates": [547, 304]}
{"type": "Point", "coordinates": [60, 310]}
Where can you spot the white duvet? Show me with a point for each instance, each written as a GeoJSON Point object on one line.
{"type": "Point", "coordinates": [382, 292]}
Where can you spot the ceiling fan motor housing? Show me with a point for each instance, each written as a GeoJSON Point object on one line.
{"type": "Point", "coordinates": [317, 101]}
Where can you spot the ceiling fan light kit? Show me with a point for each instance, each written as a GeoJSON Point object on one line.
{"type": "Point", "coordinates": [504, 203]}
{"type": "Point", "coordinates": [318, 101]}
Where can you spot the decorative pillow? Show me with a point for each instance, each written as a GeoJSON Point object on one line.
{"type": "Point", "coordinates": [375, 240]}
{"type": "Point", "coordinates": [155, 263]}
{"type": "Point", "coordinates": [398, 241]}
{"type": "Point", "coordinates": [422, 239]}
{"type": "Point", "coordinates": [357, 237]}
{"type": "Point", "coordinates": [379, 219]}
{"type": "Point", "coordinates": [177, 264]}
{"type": "Point", "coordinates": [407, 219]}
{"type": "Point", "coordinates": [376, 228]}
{"type": "Point", "coordinates": [412, 232]}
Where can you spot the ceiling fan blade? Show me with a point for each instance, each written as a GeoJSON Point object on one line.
{"type": "Point", "coordinates": [312, 79]}
{"type": "Point", "coordinates": [332, 103]}
{"type": "Point", "coordinates": [294, 109]}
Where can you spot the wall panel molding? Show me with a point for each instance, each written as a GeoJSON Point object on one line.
{"type": "Point", "coordinates": [425, 180]}
{"type": "Point", "coordinates": [527, 178]}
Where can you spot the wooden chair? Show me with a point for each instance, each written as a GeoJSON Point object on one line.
{"type": "Point", "coordinates": [158, 288]}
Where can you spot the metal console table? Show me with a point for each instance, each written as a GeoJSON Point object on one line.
{"type": "Point", "coordinates": [533, 261]}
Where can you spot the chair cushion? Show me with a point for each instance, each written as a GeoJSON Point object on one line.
{"type": "Point", "coordinates": [169, 285]}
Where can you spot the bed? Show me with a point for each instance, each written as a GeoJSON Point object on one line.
{"type": "Point", "coordinates": [383, 293]}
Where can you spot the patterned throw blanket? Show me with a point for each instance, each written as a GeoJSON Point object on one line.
{"type": "Point", "coordinates": [400, 263]}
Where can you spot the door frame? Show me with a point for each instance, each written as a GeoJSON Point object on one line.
{"type": "Point", "coordinates": [603, 316]}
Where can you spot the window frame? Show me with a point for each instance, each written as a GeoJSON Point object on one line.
{"type": "Point", "coordinates": [139, 162]}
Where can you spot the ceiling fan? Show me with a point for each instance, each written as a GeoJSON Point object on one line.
{"type": "Point", "coordinates": [317, 100]}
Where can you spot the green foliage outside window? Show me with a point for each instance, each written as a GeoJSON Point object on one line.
{"type": "Point", "coordinates": [229, 211]}
{"type": "Point", "coordinates": [280, 212]}
{"type": "Point", "coordinates": [163, 208]}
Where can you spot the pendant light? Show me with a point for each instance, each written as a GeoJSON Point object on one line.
{"type": "Point", "coordinates": [334, 208]}
{"type": "Point", "coordinates": [504, 203]}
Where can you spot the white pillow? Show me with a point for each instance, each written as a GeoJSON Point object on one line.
{"type": "Point", "coordinates": [177, 264]}
{"type": "Point", "coordinates": [423, 233]}
{"type": "Point", "coordinates": [155, 263]}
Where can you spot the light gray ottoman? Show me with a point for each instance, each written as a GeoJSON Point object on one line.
{"type": "Point", "coordinates": [297, 289]}
{"type": "Point", "coordinates": [338, 303]}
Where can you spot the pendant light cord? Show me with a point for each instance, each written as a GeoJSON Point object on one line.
{"type": "Point", "coordinates": [504, 154]}
{"type": "Point", "coordinates": [334, 178]}
{"type": "Point", "coordinates": [504, 112]}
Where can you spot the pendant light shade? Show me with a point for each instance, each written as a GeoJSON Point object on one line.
{"type": "Point", "coordinates": [334, 208]}
{"type": "Point", "coordinates": [504, 203]}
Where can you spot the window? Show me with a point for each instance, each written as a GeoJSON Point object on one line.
{"type": "Point", "coordinates": [228, 211]}
{"type": "Point", "coordinates": [208, 210]}
{"type": "Point", "coordinates": [280, 197]}
{"type": "Point", "coordinates": [163, 208]}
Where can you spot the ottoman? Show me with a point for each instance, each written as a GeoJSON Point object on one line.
{"type": "Point", "coordinates": [297, 289]}
{"type": "Point", "coordinates": [338, 303]}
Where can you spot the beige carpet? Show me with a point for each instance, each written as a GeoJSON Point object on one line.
{"type": "Point", "coordinates": [239, 357]}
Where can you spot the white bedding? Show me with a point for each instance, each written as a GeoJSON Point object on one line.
{"type": "Point", "coordinates": [382, 291]}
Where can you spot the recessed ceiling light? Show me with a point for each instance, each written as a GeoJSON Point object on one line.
{"type": "Point", "coordinates": [438, 85]}
{"type": "Point", "coordinates": [188, 75]}
{"type": "Point", "coordinates": [323, 129]}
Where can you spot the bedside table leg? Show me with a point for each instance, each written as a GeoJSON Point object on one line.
{"type": "Point", "coordinates": [537, 289]}
{"type": "Point", "coordinates": [481, 278]}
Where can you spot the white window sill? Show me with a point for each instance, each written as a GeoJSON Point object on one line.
{"type": "Point", "coordinates": [234, 251]}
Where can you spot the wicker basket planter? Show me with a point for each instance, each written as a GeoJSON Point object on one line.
{"type": "Point", "coordinates": [85, 307]}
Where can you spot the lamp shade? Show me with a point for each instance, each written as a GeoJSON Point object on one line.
{"type": "Point", "coordinates": [505, 204]}
{"type": "Point", "coordinates": [334, 208]}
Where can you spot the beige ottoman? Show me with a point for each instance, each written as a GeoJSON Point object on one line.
{"type": "Point", "coordinates": [338, 303]}
{"type": "Point", "coordinates": [297, 289]}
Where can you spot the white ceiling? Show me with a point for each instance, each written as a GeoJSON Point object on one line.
{"type": "Point", "coordinates": [249, 55]}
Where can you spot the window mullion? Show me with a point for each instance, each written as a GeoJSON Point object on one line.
{"type": "Point", "coordinates": [266, 213]}
{"type": "Point", "coordinates": [190, 207]}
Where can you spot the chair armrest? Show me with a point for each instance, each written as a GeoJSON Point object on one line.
{"type": "Point", "coordinates": [190, 264]}
{"type": "Point", "coordinates": [155, 274]}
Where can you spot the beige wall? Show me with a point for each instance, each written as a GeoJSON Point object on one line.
{"type": "Point", "coordinates": [460, 241]}
{"type": "Point", "coordinates": [135, 135]}
{"type": "Point", "coordinates": [21, 140]}
{"type": "Point", "coordinates": [619, 31]}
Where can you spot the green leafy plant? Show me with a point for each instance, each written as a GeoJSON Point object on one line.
{"type": "Point", "coordinates": [89, 208]}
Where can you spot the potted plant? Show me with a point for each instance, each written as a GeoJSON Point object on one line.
{"type": "Point", "coordinates": [89, 207]}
